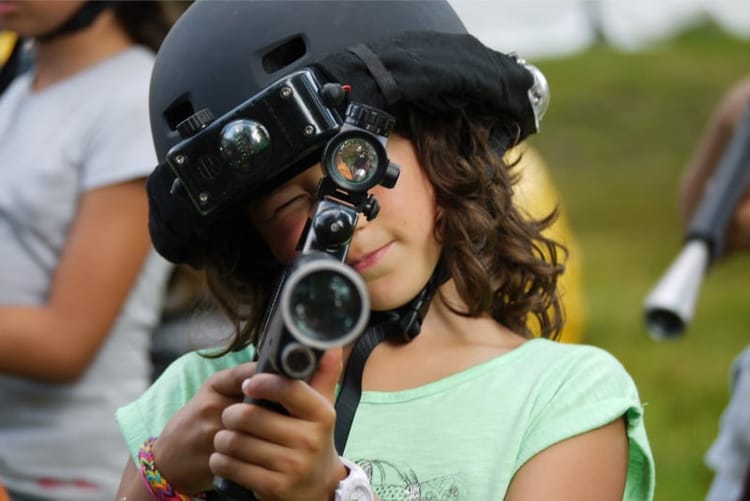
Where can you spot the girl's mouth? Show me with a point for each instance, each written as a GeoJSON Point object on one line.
{"type": "Point", "coordinates": [370, 259]}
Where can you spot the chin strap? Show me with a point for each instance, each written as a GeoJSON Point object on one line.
{"type": "Point", "coordinates": [351, 387]}
{"type": "Point", "coordinates": [80, 19]}
{"type": "Point", "coordinates": [402, 324]}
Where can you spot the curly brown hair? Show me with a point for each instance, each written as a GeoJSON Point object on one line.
{"type": "Point", "coordinates": [498, 258]}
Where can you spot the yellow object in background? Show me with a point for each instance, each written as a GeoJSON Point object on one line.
{"type": "Point", "coordinates": [8, 41]}
{"type": "Point", "coordinates": [537, 195]}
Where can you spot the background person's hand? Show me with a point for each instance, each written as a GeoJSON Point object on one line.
{"type": "Point", "coordinates": [721, 128]}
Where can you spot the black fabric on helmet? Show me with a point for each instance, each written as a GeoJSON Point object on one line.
{"type": "Point", "coordinates": [177, 230]}
{"type": "Point", "coordinates": [437, 72]}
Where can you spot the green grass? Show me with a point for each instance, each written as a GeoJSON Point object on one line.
{"type": "Point", "coordinates": [620, 129]}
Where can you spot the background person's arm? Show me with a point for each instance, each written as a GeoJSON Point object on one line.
{"type": "Point", "coordinates": [106, 248]}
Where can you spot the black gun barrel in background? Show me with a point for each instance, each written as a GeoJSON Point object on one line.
{"type": "Point", "coordinates": [724, 191]}
{"type": "Point", "coordinates": [670, 304]}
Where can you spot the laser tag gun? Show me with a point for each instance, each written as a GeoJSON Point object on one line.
{"type": "Point", "coordinates": [319, 302]}
{"type": "Point", "coordinates": [670, 304]}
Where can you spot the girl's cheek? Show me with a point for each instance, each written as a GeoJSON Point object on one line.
{"type": "Point", "coordinates": [284, 239]}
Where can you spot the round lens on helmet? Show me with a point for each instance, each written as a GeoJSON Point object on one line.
{"type": "Point", "coordinates": [242, 141]}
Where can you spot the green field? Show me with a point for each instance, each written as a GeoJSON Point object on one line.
{"type": "Point", "coordinates": [620, 128]}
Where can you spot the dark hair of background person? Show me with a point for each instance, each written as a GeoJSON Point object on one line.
{"type": "Point", "coordinates": [147, 22]}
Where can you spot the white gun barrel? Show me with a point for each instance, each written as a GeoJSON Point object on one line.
{"type": "Point", "coordinates": [670, 305]}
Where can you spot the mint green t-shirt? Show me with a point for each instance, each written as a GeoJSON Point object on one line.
{"type": "Point", "coordinates": [462, 437]}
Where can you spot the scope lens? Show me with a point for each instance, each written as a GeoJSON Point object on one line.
{"type": "Point", "coordinates": [356, 160]}
{"type": "Point", "coordinates": [325, 305]}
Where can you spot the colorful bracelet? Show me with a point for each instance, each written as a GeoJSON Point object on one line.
{"type": "Point", "coordinates": [155, 483]}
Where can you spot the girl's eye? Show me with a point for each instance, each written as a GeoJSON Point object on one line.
{"type": "Point", "coordinates": [290, 204]}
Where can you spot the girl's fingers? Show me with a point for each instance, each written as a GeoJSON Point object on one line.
{"type": "Point", "coordinates": [229, 382]}
{"type": "Point", "coordinates": [249, 449]}
{"type": "Point", "coordinates": [328, 374]}
{"type": "Point", "coordinates": [311, 401]}
{"type": "Point", "coordinates": [269, 425]}
{"type": "Point", "coordinates": [245, 474]}
{"type": "Point", "coordinates": [256, 420]}
{"type": "Point", "coordinates": [273, 471]}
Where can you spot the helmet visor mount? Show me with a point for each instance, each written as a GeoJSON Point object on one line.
{"type": "Point", "coordinates": [273, 135]}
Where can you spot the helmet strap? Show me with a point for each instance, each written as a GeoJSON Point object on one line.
{"type": "Point", "coordinates": [383, 78]}
{"type": "Point", "coordinates": [405, 324]}
{"type": "Point", "coordinates": [82, 18]}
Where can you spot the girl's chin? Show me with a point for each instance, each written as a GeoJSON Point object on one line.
{"type": "Point", "coordinates": [397, 286]}
{"type": "Point", "coordinates": [385, 299]}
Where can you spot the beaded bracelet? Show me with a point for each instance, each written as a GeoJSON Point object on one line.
{"type": "Point", "coordinates": [155, 483]}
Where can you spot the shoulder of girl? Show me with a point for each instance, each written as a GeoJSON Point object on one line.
{"type": "Point", "coordinates": [577, 357]}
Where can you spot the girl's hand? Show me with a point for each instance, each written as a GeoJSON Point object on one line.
{"type": "Point", "coordinates": [283, 457]}
{"type": "Point", "coordinates": [182, 450]}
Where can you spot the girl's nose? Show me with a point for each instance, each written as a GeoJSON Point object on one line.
{"type": "Point", "coordinates": [362, 223]}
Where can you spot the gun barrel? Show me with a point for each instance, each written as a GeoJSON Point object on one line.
{"type": "Point", "coordinates": [670, 304]}
{"type": "Point", "coordinates": [724, 190]}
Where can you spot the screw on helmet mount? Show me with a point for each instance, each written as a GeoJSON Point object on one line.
{"type": "Point", "coordinates": [219, 54]}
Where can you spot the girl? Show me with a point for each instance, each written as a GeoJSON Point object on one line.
{"type": "Point", "coordinates": [472, 407]}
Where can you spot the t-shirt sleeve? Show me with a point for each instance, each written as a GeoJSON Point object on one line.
{"type": "Point", "coordinates": [148, 415]}
{"type": "Point", "coordinates": [585, 391]}
{"type": "Point", "coordinates": [120, 147]}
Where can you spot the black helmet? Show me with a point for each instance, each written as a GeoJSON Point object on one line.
{"type": "Point", "coordinates": [219, 54]}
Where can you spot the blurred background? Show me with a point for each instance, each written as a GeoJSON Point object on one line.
{"type": "Point", "coordinates": [633, 85]}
